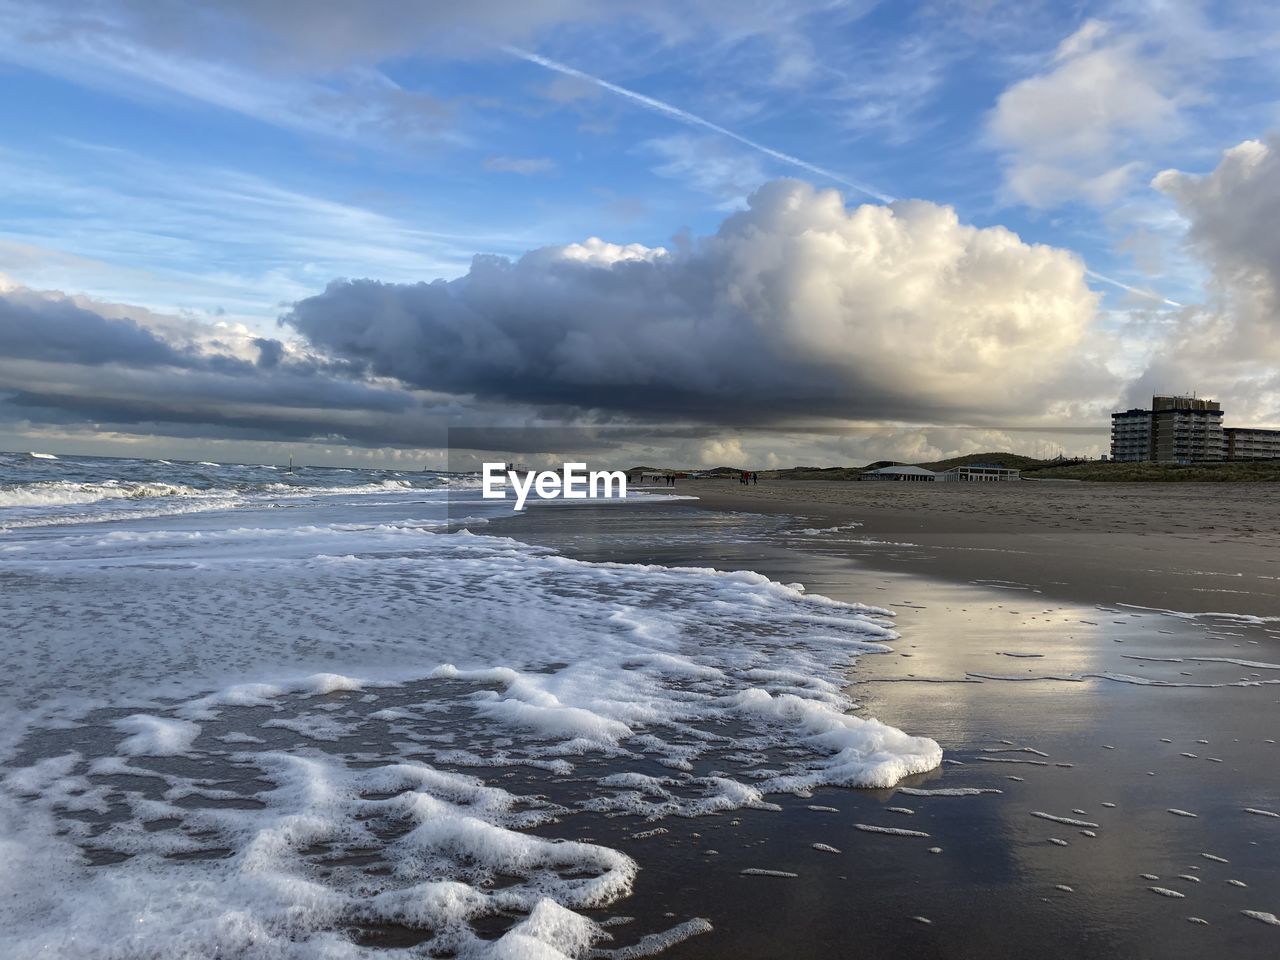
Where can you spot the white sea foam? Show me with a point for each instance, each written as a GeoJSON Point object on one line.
{"type": "Point", "coordinates": [67, 493]}
{"type": "Point", "coordinates": [891, 831]}
{"type": "Point", "coordinates": [263, 653]}
{"type": "Point", "coordinates": [651, 944]}
{"type": "Point", "coordinates": [1034, 763]}
{"type": "Point", "coordinates": [1116, 677]}
{"type": "Point", "coordinates": [156, 736]}
{"type": "Point", "coordinates": [1069, 821]}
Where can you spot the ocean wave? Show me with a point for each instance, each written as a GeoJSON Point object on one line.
{"type": "Point", "coordinates": [61, 493]}
{"type": "Point", "coordinates": [57, 493]}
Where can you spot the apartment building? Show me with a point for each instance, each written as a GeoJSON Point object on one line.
{"type": "Point", "coordinates": [1250, 443]}
{"type": "Point", "coordinates": [1131, 436]}
{"type": "Point", "coordinates": [1174, 430]}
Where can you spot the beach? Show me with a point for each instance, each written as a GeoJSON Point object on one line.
{"type": "Point", "coordinates": [1101, 756]}
{"type": "Point", "coordinates": [339, 712]}
{"type": "Point", "coordinates": [1201, 547]}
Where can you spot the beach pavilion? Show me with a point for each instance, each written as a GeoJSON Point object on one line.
{"type": "Point", "coordinates": [900, 473]}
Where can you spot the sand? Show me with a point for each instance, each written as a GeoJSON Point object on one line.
{"type": "Point", "coordinates": [1103, 704]}
{"type": "Point", "coordinates": [1192, 547]}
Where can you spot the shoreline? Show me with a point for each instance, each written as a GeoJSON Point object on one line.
{"type": "Point", "coordinates": [1193, 548]}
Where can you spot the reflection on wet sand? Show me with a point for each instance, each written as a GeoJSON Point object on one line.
{"type": "Point", "coordinates": [1070, 731]}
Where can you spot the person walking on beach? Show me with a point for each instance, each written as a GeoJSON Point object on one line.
{"type": "Point", "coordinates": [755, 477]}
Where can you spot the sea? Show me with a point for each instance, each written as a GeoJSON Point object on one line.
{"type": "Point", "coordinates": [253, 711]}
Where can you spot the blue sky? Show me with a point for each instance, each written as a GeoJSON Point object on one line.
{"type": "Point", "coordinates": [220, 165]}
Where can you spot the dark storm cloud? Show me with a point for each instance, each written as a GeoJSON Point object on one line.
{"type": "Point", "coordinates": [64, 362]}
{"type": "Point", "coordinates": [270, 352]}
{"type": "Point", "coordinates": [38, 328]}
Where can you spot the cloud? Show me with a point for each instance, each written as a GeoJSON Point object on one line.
{"type": "Point", "coordinates": [798, 307]}
{"type": "Point", "coordinates": [333, 69]}
{"type": "Point", "coordinates": [690, 119]}
{"type": "Point", "coordinates": [1231, 345]}
{"type": "Point", "coordinates": [205, 236]}
{"type": "Point", "coordinates": [710, 166]}
{"type": "Point", "coordinates": [1231, 216]}
{"type": "Point", "coordinates": [1066, 132]}
{"type": "Point", "coordinates": [56, 330]}
{"type": "Point", "coordinates": [72, 360]}
{"type": "Point", "coordinates": [525, 166]}
{"type": "Point", "coordinates": [314, 72]}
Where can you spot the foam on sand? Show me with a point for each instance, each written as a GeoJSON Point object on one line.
{"type": "Point", "coordinates": [156, 736]}
{"type": "Point", "coordinates": [1034, 763]}
{"type": "Point", "coordinates": [304, 662]}
{"type": "Point", "coordinates": [891, 831]}
{"type": "Point", "coordinates": [652, 944]}
{"type": "Point", "coordinates": [1069, 821]}
{"type": "Point", "coordinates": [947, 791]}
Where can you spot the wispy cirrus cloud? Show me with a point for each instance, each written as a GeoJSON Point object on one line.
{"type": "Point", "coordinates": [207, 237]}
{"type": "Point", "coordinates": [525, 166]}
{"type": "Point", "coordinates": [687, 118]}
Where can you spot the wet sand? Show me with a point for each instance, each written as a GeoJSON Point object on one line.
{"type": "Point", "coordinates": [1197, 547]}
{"type": "Point", "coordinates": [1050, 701]}
{"type": "Point", "coordinates": [1128, 747]}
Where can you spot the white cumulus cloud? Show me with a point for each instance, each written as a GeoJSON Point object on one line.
{"type": "Point", "coordinates": [1066, 130]}
{"type": "Point", "coordinates": [796, 306]}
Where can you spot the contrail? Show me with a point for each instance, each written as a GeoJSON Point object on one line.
{"type": "Point", "coordinates": [693, 120]}
{"type": "Point", "coordinates": [1149, 294]}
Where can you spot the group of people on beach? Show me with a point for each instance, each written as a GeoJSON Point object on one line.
{"type": "Point", "coordinates": [749, 476]}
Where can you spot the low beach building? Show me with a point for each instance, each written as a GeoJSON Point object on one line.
{"type": "Point", "coordinates": [1251, 443]}
{"type": "Point", "coordinates": [911, 474]}
{"type": "Point", "coordinates": [980, 472]}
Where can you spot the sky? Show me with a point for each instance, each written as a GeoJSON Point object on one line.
{"type": "Point", "coordinates": [751, 233]}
